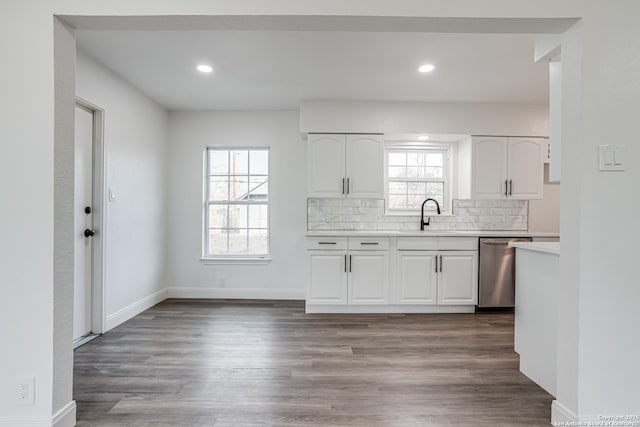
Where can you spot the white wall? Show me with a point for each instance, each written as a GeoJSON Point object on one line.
{"type": "Point", "coordinates": [190, 134]}
{"type": "Point", "coordinates": [64, 220]}
{"type": "Point", "coordinates": [567, 380]}
{"type": "Point", "coordinates": [424, 117]}
{"type": "Point", "coordinates": [544, 214]}
{"type": "Point", "coordinates": [26, 206]}
{"type": "Point", "coordinates": [608, 368]}
{"type": "Point", "coordinates": [135, 138]}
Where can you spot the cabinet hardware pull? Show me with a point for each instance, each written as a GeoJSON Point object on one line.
{"type": "Point", "coordinates": [510, 187]}
{"type": "Point", "coordinates": [348, 185]}
{"type": "Point", "coordinates": [345, 263]}
{"type": "Point", "coordinates": [436, 263]}
{"type": "Point", "coordinates": [368, 243]}
{"type": "Point", "coordinates": [506, 188]}
{"type": "Point", "coordinates": [440, 263]}
{"type": "Point", "coordinates": [350, 264]}
{"type": "Point", "coordinates": [343, 186]}
{"type": "Point", "coordinates": [326, 243]}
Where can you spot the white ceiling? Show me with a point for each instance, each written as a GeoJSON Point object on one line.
{"type": "Point", "coordinates": [278, 69]}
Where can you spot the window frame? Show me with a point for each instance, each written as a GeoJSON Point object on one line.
{"type": "Point", "coordinates": [448, 176]}
{"type": "Point", "coordinates": [232, 258]}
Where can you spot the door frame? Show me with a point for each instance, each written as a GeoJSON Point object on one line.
{"type": "Point", "coordinates": [98, 272]}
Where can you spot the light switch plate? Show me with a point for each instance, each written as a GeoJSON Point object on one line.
{"type": "Point", "coordinates": [611, 158]}
{"type": "Point", "coordinates": [112, 195]}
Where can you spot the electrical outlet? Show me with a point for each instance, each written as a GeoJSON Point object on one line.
{"type": "Point", "coordinates": [223, 282]}
{"type": "Point", "coordinates": [25, 390]}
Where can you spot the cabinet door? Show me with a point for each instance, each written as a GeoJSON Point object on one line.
{"type": "Point", "coordinates": [327, 278]}
{"type": "Point", "coordinates": [325, 165]}
{"type": "Point", "coordinates": [365, 166]}
{"type": "Point", "coordinates": [458, 278]}
{"type": "Point", "coordinates": [526, 168]}
{"type": "Point", "coordinates": [417, 277]}
{"type": "Point", "coordinates": [488, 168]}
{"type": "Point", "coordinates": [368, 277]}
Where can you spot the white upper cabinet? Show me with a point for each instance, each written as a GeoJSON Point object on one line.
{"type": "Point", "coordinates": [365, 163]}
{"type": "Point", "coordinates": [326, 165]}
{"type": "Point", "coordinates": [504, 168]}
{"type": "Point", "coordinates": [345, 166]}
{"type": "Point", "coordinates": [489, 166]}
{"type": "Point", "coordinates": [526, 167]}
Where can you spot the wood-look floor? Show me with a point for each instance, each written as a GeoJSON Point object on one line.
{"type": "Point", "coordinates": [257, 363]}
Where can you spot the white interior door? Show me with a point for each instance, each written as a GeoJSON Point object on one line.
{"type": "Point", "coordinates": [83, 198]}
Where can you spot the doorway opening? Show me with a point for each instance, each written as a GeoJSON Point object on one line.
{"type": "Point", "coordinates": [98, 245]}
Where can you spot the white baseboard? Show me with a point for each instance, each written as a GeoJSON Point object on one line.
{"type": "Point", "coordinates": [236, 293]}
{"type": "Point", "coordinates": [143, 304]}
{"type": "Point", "coordinates": [134, 309]}
{"type": "Point", "coordinates": [560, 415]}
{"type": "Point", "coordinates": [66, 417]}
{"type": "Point", "coordinates": [25, 421]}
{"type": "Point", "coordinates": [367, 309]}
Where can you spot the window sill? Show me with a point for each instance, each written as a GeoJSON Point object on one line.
{"type": "Point", "coordinates": [236, 261]}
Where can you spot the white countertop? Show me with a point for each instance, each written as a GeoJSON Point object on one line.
{"type": "Point", "coordinates": [547, 247]}
{"type": "Point", "coordinates": [428, 233]}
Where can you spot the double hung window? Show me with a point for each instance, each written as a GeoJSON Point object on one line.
{"type": "Point", "coordinates": [413, 175]}
{"type": "Point", "coordinates": [236, 203]}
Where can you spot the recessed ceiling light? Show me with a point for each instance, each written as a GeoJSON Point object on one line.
{"type": "Point", "coordinates": [423, 137]}
{"type": "Point", "coordinates": [204, 68]}
{"type": "Point", "coordinates": [426, 68]}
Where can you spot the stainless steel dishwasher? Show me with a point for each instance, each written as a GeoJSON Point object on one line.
{"type": "Point", "coordinates": [497, 284]}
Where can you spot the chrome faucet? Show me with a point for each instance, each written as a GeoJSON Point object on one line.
{"type": "Point", "coordinates": [422, 223]}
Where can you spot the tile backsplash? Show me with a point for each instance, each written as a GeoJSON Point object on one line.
{"type": "Point", "coordinates": [367, 214]}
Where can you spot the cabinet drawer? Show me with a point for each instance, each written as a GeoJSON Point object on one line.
{"type": "Point", "coordinates": [369, 243]}
{"type": "Point", "coordinates": [327, 243]}
{"type": "Point", "coordinates": [457, 243]}
{"type": "Point", "coordinates": [417, 243]}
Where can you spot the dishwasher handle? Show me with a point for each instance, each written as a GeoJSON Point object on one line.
{"type": "Point", "coordinates": [502, 241]}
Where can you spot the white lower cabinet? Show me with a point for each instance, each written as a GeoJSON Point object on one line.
{"type": "Point", "coordinates": [458, 278]}
{"type": "Point", "coordinates": [442, 278]}
{"type": "Point", "coordinates": [417, 278]}
{"type": "Point", "coordinates": [337, 277]}
{"type": "Point", "coordinates": [357, 274]}
{"type": "Point", "coordinates": [368, 280]}
{"type": "Point", "coordinates": [327, 280]}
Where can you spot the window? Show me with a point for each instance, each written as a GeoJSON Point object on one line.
{"type": "Point", "coordinates": [414, 174]}
{"type": "Point", "coordinates": [237, 203]}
